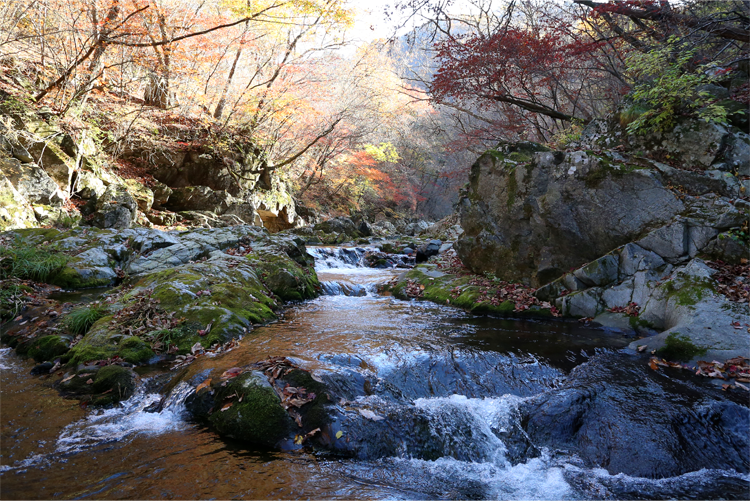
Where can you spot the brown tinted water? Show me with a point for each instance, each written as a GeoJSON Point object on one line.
{"type": "Point", "coordinates": [373, 350]}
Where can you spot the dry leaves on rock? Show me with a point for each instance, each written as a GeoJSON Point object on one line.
{"type": "Point", "coordinates": [734, 280]}
{"type": "Point", "coordinates": [631, 310]}
{"type": "Point", "coordinates": [735, 370]}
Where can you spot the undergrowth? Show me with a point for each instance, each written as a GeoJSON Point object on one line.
{"type": "Point", "coordinates": [30, 263]}
{"type": "Point", "coordinates": [80, 320]}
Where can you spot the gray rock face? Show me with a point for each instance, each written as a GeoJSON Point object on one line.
{"type": "Point", "coordinates": [32, 182]}
{"type": "Point", "coordinates": [338, 225]}
{"type": "Point", "coordinates": [87, 185]}
{"type": "Point", "coordinates": [531, 215]}
{"type": "Point", "coordinates": [673, 301]}
{"type": "Point", "coordinates": [364, 228]}
{"type": "Point", "coordinates": [116, 208]}
{"type": "Point", "coordinates": [15, 210]}
{"type": "Point", "coordinates": [199, 198]}
{"type": "Point", "coordinates": [427, 250]}
{"type": "Point", "coordinates": [415, 228]}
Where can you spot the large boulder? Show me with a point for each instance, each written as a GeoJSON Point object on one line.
{"type": "Point", "coordinates": [15, 210]}
{"type": "Point", "coordinates": [338, 225]}
{"type": "Point", "coordinates": [682, 429]}
{"type": "Point", "coordinates": [116, 208]}
{"type": "Point", "coordinates": [531, 214]}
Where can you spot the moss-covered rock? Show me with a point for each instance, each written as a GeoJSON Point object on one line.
{"type": "Point", "coordinates": [461, 292]}
{"type": "Point", "coordinates": [679, 347]}
{"type": "Point", "coordinates": [48, 348]}
{"type": "Point", "coordinates": [285, 277]}
{"type": "Point", "coordinates": [258, 418]}
{"type": "Point", "coordinates": [99, 385]}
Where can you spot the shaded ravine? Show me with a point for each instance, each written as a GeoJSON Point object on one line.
{"type": "Point", "coordinates": [455, 394]}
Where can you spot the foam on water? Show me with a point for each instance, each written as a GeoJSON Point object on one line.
{"type": "Point", "coordinates": [5, 358]}
{"type": "Point", "coordinates": [119, 423]}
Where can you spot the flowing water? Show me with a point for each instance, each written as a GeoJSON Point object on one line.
{"type": "Point", "coordinates": [461, 377]}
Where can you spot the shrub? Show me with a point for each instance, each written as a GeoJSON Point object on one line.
{"type": "Point", "coordinates": [667, 83]}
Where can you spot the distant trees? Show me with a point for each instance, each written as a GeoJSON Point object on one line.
{"type": "Point", "coordinates": [527, 68]}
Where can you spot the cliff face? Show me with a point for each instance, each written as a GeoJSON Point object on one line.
{"type": "Point", "coordinates": [52, 175]}
{"type": "Point", "coordinates": [531, 214]}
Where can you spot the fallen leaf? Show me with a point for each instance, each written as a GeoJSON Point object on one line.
{"type": "Point", "coordinates": [68, 378]}
{"type": "Point", "coordinates": [230, 373]}
{"type": "Point", "coordinates": [90, 381]}
{"type": "Point", "coordinates": [642, 348]}
{"type": "Point", "coordinates": [204, 384]}
{"type": "Point", "coordinates": [339, 434]}
{"type": "Point", "coordinates": [226, 406]}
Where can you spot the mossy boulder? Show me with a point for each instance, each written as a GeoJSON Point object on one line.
{"type": "Point", "coordinates": [211, 302]}
{"type": "Point", "coordinates": [257, 418]}
{"type": "Point", "coordinates": [105, 341]}
{"type": "Point", "coordinates": [48, 348]}
{"type": "Point", "coordinates": [99, 385]}
{"type": "Point", "coordinates": [458, 291]}
{"type": "Point", "coordinates": [285, 277]}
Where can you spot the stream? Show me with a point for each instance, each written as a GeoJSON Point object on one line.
{"type": "Point", "coordinates": [465, 380]}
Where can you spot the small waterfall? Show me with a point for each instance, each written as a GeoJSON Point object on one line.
{"type": "Point", "coordinates": [336, 258]}
{"type": "Point", "coordinates": [351, 271]}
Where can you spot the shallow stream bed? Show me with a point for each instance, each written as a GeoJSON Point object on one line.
{"type": "Point", "coordinates": [466, 377]}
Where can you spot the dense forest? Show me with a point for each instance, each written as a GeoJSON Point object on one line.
{"type": "Point", "coordinates": [386, 128]}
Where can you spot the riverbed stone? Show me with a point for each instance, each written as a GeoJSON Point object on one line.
{"type": "Point", "coordinates": [583, 304]}
{"type": "Point", "coordinates": [682, 430]}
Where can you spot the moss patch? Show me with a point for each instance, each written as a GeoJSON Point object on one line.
{"type": "Point", "coordinates": [459, 291]}
{"type": "Point", "coordinates": [679, 347]}
{"type": "Point", "coordinates": [258, 419]}
{"type": "Point", "coordinates": [48, 348]}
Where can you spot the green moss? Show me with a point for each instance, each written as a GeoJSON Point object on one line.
{"type": "Point", "coordinates": [82, 352]}
{"type": "Point", "coordinates": [458, 292]}
{"type": "Point", "coordinates": [636, 323]}
{"type": "Point", "coordinates": [47, 348]}
{"type": "Point", "coordinates": [692, 291]}
{"type": "Point", "coordinates": [285, 278]}
{"type": "Point", "coordinates": [135, 351]}
{"type": "Point", "coordinates": [69, 278]}
{"type": "Point", "coordinates": [258, 419]}
{"type": "Point", "coordinates": [114, 377]}
{"type": "Point", "coordinates": [389, 248]}
{"type": "Point", "coordinates": [679, 347]}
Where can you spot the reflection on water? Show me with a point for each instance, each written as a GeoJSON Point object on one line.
{"type": "Point", "coordinates": [464, 374]}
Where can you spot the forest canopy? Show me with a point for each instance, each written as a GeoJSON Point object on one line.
{"type": "Point", "coordinates": [386, 126]}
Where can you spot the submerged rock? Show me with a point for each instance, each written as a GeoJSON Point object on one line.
{"type": "Point", "coordinates": [99, 385]}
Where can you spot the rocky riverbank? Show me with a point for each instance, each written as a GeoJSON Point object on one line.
{"type": "Point", "coordinates": [168, 291]}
